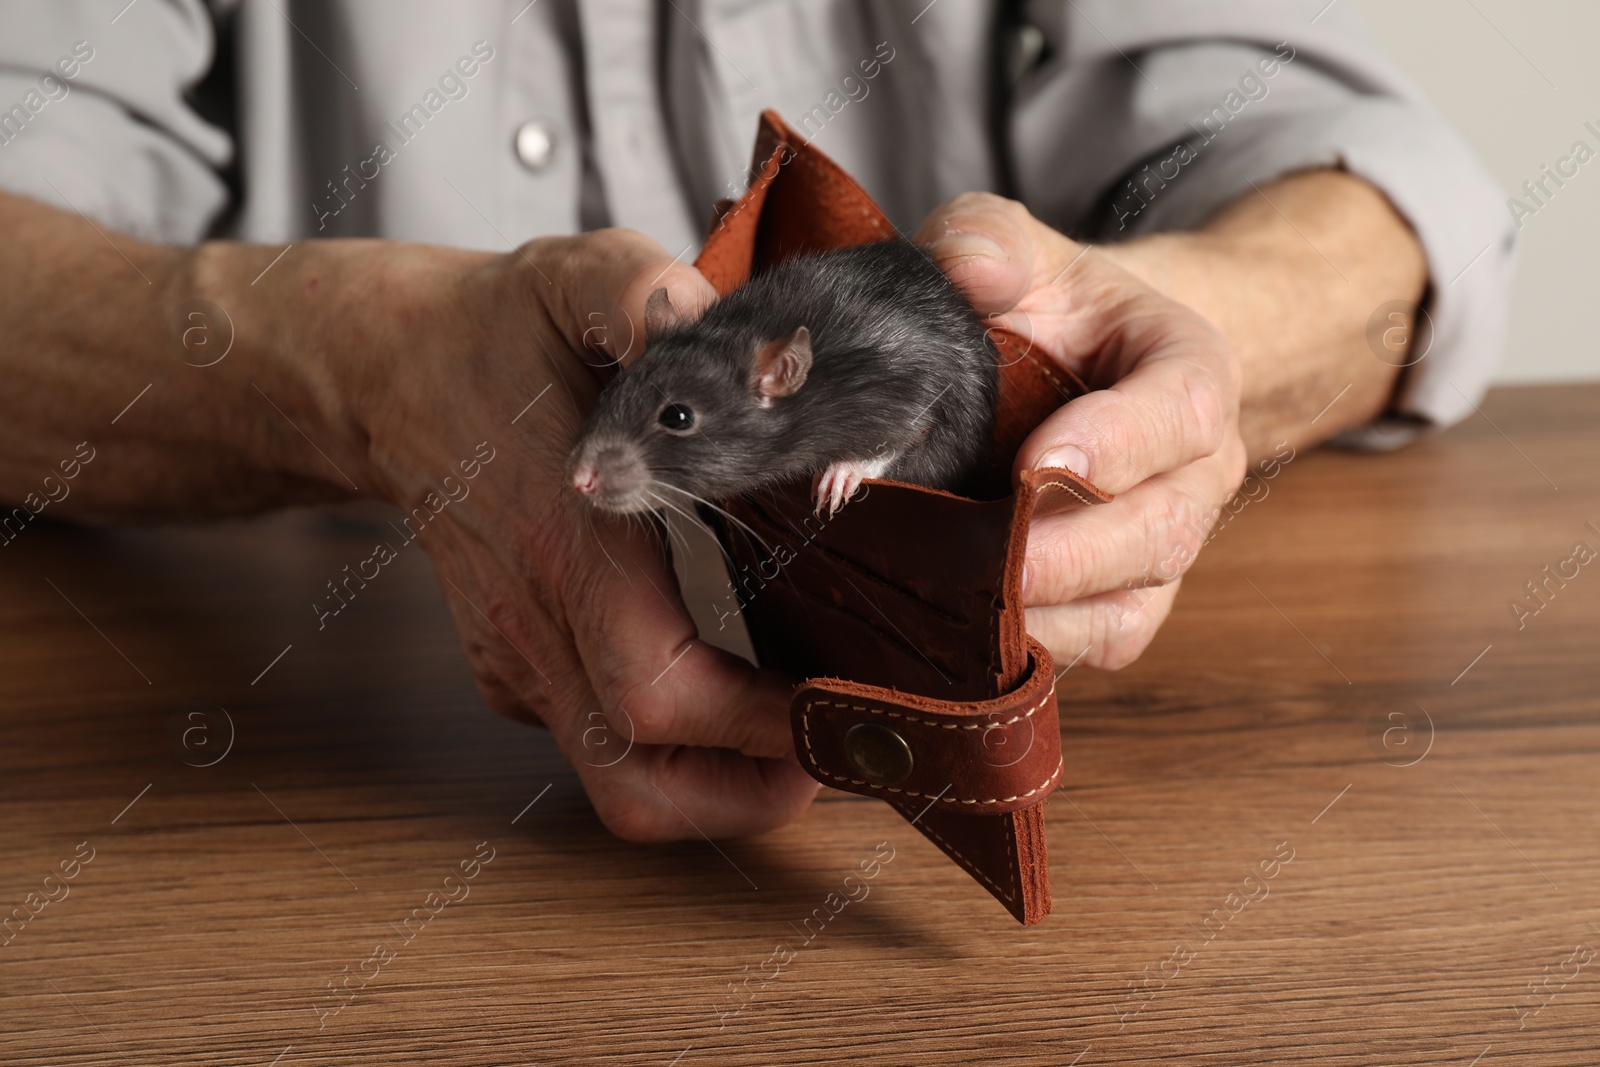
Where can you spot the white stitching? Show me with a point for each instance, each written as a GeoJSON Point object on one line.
{"type": "Point", "coordinates": [944, 799]}
{"type": "Point", "coordinates": [1038, 365]}
{"type": "Point", "coordinates": [1081, 498]}
{"type": "Point", "coordinates": [1011, 850]}
{"type": "Point", "coordinates": [935, 722]}
{"type": "Point", "coordinates": [835, 186]}
{"type": "Point", "coordinates": [972, 868]}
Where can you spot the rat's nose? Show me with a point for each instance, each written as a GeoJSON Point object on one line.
{"type": "Point", "coordinates": [610, 476]}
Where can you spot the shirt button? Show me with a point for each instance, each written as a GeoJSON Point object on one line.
{"type": "Point", "coordinates": [536, 145]}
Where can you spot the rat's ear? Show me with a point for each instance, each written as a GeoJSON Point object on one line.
{"type": "Point", "coordinates": [781, 366]}
{"type": "Point", "coordinates": [659, 314]}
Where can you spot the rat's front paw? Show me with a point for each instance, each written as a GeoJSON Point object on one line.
{"type": "Point", "coordinates": [836, 485]}
{"type": "Point", "coordinates": [839, 482]}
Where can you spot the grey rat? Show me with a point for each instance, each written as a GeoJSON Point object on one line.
{"type": "Point", "coordinates": [862, 362]}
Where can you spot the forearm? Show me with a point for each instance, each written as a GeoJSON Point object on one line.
{"type": "Point", "coordinates": [202, 385]}
{"type": "Point", "coordinates": [1290, 276]}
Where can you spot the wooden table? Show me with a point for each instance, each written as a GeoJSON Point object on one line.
{"type": "Point", "coordinates": [1343, 681]}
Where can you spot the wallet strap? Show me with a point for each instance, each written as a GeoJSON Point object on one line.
{"type": "Point", "coordinates": [970, 775]}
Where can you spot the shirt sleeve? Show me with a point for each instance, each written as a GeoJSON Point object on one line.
{"type": "Point", "coordinates": [1196, 104]}
{"type": "Point", "coordinates": [94, 116]}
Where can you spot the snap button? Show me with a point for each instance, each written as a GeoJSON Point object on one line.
{"type": "Point", "coordinates": [536, 145]}
{"type": "Point", "coordinates": [877, 753]}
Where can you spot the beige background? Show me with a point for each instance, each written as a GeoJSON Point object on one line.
{"type": "Point", "coordinates": [1518, 79]}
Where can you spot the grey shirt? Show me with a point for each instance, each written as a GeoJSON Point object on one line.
{"type": "Point", "coordinates": [485, 123]}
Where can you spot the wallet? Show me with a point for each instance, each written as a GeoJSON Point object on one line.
{"type": "Point", "coordinates": [903, 612]}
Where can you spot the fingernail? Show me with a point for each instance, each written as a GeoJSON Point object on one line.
{"type": "Point", "coordinates": [1071, 457]}
{"type": "Point", "coordinates": [966, 245]}
{"type": "Point", "coordinates": [1027, 580]}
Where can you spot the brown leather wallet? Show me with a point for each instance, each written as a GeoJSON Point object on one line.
{"type": "Point", "coordinates": [904, 611]}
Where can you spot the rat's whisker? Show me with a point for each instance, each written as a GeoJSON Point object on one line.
{"type": "Point", "coordinates": [600, 541]}
{"type": "Point", "coordinates": [675, 536]}
{"type": "Point", "coordinates": [724, 513]}
{"type": "Point", "coordinates": [696, 520]}
{"type": "Point", "coordinates": [633, 527]}
{"type": "Point", "coordinates": [664, 502]}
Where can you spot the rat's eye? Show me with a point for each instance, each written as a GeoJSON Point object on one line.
{"type": "Point", "coordinates": [677, 417]}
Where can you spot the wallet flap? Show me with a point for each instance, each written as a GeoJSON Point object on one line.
{"type": "Point", "coordinates": [904, 610]}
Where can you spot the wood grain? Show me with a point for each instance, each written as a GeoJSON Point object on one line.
{"type": "Point", "coordinates": [1421, 901]}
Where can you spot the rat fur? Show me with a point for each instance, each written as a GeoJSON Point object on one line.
{"type": "Point", "coordinates": [862, 362]}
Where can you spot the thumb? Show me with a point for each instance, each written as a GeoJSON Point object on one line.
{"type": "Point", "coordinates": [984, 244]}
{"type": "Point", "coordinates": [601, 282]}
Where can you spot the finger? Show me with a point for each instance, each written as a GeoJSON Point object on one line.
{"type": "Point", "coordinates": [631, 652]}
{"type": "Point", "coordinates": [1108, 631]}
{"type": "Point", "coordinates": [1173, 394]}
{"type": "Point", "coordinates": [528, 669]}
{"type": "Point", "coordinates": [667, 793]}
{"type": "Point", "coordinates": [985, 244]}
{"type": "Point", "coordinates": [602, 281]}
{"type": "Point", "coordinates": [650, 672]}
{"type": "Point", "coordinates": [1147, 536]}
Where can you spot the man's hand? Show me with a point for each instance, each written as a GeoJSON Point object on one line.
{"type": "Point", "coordinates": [265, 376]}
{"type": "Point", "coordinates": [1160, 431]}
{"type": "Point", "coordinates": [1207, 349]}
{"type": "Point", "coordinates": [565, 612]}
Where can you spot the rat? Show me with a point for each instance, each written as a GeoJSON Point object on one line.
{"type": "Point", "coordinates": [855, 363]}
